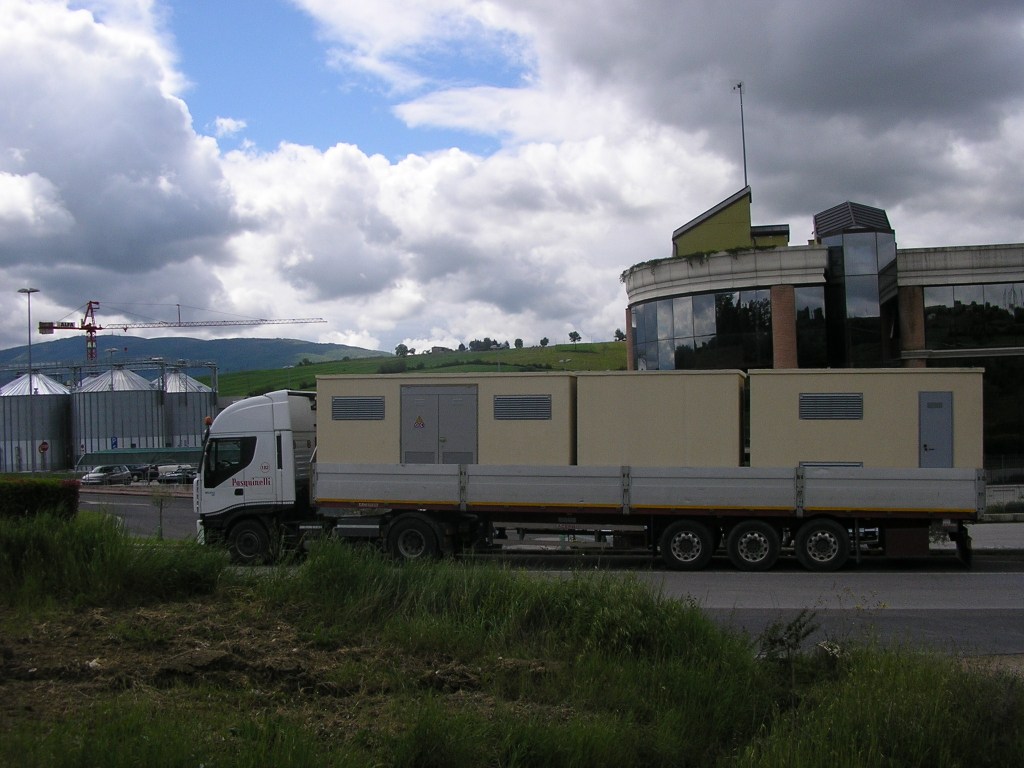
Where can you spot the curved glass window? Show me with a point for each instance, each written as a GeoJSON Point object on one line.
{"type": "Point", "coordinates": [730, 329]}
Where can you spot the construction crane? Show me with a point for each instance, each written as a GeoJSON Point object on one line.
{"type": "Point", "coordinates": [90, 326]}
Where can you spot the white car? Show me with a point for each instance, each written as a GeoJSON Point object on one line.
{"type": "Point", "coordinates": [108, 474]}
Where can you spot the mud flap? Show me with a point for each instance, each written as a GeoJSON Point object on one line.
{"type": "Point", "coordinates": [963, 545]}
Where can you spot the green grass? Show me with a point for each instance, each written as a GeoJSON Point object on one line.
{"type": "Point", "coordinates": [88, 560]}
{"type": "Point", "coordinates": [350, 659]}
{"type": "Point", "coordinates": [604, 356]}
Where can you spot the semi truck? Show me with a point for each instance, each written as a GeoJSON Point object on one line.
{"type": "Point", "coordinates": [672, 463]}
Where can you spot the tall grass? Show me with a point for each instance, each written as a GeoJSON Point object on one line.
{"type": "Point", "coordinates": [454, 664]}
{"type": "Point", "coordinates": [649, 676]}
{"type": "Point", "coordinates": [895, 707]}
{"type": "Point", "coordinates": [48, 560]}
{"type": "Point", "coordinates": [127, 733]}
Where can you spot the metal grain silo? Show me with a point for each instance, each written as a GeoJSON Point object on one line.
{"type": "Point", "coordinates": [186, 403]}
{"type": "Point", "coordinates": [115, 410]}
{"type": "Point", "coordinates": [34, 415]}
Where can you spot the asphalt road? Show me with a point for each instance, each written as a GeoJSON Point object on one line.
{"type": "Point", "coordinates": [935, 603]}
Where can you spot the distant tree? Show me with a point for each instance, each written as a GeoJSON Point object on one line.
{"type": "Point", "coordinates": [462, 347]}
{"type": "Point", "coordinates": [519, 343]}
{"type": "Point", "coordinates": [401, 350]}
{"type": "Point", "coordinates": [619, 335]}
{"type": "Point", "coordinates": [574, 337]}
{"type": "Point", "coordinates": [544, 342]}
{"type": "Point", "coordinates": [412, 350]}
{"type": "Point", "coordinates": [481, 346]}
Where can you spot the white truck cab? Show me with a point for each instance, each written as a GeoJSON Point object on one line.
{"type": "Point", "coordinates": [256, 460]}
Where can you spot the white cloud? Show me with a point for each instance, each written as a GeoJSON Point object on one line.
{"type": "Point", "coordinates": [616, 123]}
{"type": "Point", "coordinates": [30, 206]}
{"type": "Point", "coordinates": [228, 126]}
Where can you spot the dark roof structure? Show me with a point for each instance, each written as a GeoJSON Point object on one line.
{"type": "Point", "coordinates": [850, 217]}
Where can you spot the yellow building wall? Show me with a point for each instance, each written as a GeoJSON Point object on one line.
{"type": "Point", "coordinates": [547, 442]}
{"type": "Point", "coordinates": [727, 229]}
{"type": "Point", "coordinates": [659, 418]}
{"type": "Point", "coordinates": [887, 436]}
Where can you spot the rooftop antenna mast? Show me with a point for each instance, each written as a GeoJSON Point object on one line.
{"type": "Point", "coordinates": [743, 131]}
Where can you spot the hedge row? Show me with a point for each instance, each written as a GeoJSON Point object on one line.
{"type": "Point", "coordinates": [21, 497]}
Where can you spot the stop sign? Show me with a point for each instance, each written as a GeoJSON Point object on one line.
{"type": "Point", "coordinates": [44, 447]}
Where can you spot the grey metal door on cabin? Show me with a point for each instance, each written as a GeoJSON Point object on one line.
{"type": "Point", "coordinates": [439, 425]}
{"type": "Point", "coordinates": [935, 425]}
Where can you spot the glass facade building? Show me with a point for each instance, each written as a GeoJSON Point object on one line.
{"type": "Point", "coordinates": [848, 299]}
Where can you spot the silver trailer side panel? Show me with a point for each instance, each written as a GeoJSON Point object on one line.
{"type": "Point", "coordinates": [734, 488]}
{"type": "Point", "coordinates": [890, 491]}
{"type": "Point", "coordinates": [524, 486]}
{"type": "Point", "coordinates": [383, 485]}
{"type": "Point", "coordinates": [841, 490]}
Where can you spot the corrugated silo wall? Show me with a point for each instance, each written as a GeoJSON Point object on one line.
{"type": "Point", "coordinates": [185, 412]}
{"type": "Point", "coordinates": [28, 421]}
{"type": "Point", "coordinates": [102, 421]}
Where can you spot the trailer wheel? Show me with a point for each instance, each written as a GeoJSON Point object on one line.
{"type": "Point", "coordinates": [753, 545]}
{"type": "Point", "coordinates": [412, 539]}
{"type": "Point", "coordinates": [686, 546]}
{"type": "Point", "coordinates": [250, 544]}
{"type": "Point", "coordinates": [822, 545]}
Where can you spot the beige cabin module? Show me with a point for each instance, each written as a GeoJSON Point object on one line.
{"type": "Point", "coordinates": [892, 417]}
{"type": "Point", "coordinates": [659, 418]}
{"type": "Point", "coordinates": [488, 418]}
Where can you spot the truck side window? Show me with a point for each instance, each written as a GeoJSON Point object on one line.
{"type": "Point", "coordinates": [225, 457]}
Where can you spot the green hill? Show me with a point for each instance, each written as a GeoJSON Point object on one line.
{"type": "Point", "coordinates": [604, 356]}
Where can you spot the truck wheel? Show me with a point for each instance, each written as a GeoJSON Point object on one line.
{"type": "Point", "coordinates": [753, 545]}
{"type": "Point", "coordinates": [412, 539]}
{"type": "Point", "coordinates": [822, 545]}
{"type": "Point", "coordinates": [686, 546]}
{"type": "Point", "coordinates": [250, 543]}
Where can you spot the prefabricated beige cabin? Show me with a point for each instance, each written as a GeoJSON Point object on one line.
{"type": "Point", "coordinates": [660, 418]}
{"type": "Point", "coordinates": [485, 418]}
{"type": "Point", "coordinates": [905, 417]}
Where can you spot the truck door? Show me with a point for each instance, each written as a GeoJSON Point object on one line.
{"type": "Point", "coordinates": [239, 471]}
{"type": "Point", "coordinates": [439, 425]}
{"type": "Point", "coordinates": [935, 427]}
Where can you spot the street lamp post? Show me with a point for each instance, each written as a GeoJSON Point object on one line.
{"type": "Point", "coordinates": [31, 388]}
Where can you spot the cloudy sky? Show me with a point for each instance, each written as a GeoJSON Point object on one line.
{"type": "Point", "coordinates": [436, 171]}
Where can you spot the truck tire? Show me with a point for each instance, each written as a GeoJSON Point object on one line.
{"type": "Point", "coordinates": [753, 545]}
{"type": "Point", "coordinates": [822, 545]}
{"type": "Point", "coordinates": [250, 544]}
{"type": "Point", "coordinates": [686, 545]}
{"type": "Point", "coordinates": [412, 538]}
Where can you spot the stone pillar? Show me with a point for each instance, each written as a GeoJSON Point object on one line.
{"type": "Point", "coordinates": [911, 303]}
{"type": "Point", "coordinates": [784, 327]}
{"type": "Point", "coordinates": [629, 340]}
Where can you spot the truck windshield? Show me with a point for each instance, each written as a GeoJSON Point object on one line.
{"type": "Point", "coordinates": [225, 457]}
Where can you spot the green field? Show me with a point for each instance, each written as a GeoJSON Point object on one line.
{"type": "Point", "coordinates": [605, 356]}
{"type": "Point", "coordinates": [117, 651]}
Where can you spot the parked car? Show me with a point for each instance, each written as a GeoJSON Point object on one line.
{"type": "Point", "coordinates": [182, 474]}
{"type": "Point", "coordinates": [144, 472]}
{"type": "Point", "coordinates": [108, 474]}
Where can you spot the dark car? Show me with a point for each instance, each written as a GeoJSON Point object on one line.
{"type": "Point", "coordinates": [108, 474]}
{"type": "Point", "coordinates": [143, 472]}
{"type": "Point", "coordinates": [182, 475]}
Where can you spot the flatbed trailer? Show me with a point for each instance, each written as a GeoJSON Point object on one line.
{"type": "Point", "coordinates": [685, 514]}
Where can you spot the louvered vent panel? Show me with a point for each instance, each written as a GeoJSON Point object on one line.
{"type": "Point", "coordinates": [832, 405]}
{"type": "Point", "coordinates": [522, 407]}
{"type": "Point", "coordinates": [357, 408]}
